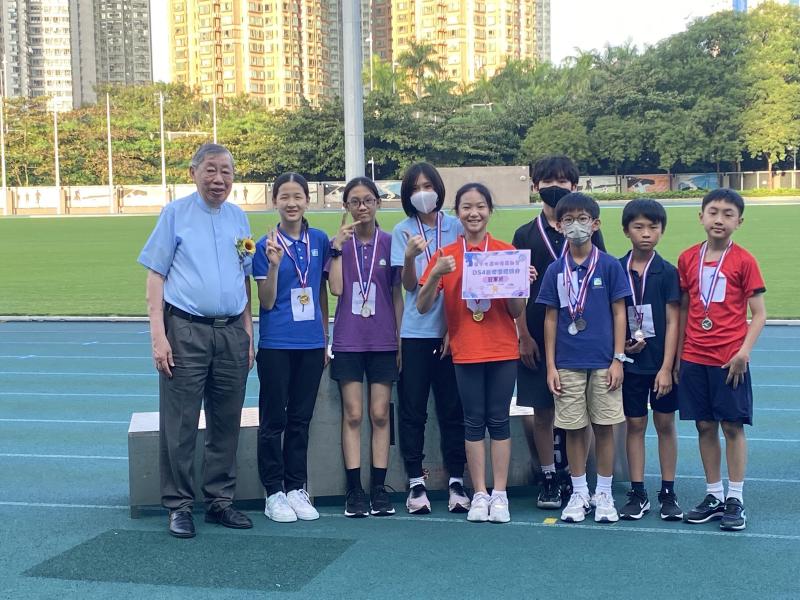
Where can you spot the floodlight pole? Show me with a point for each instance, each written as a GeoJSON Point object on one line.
{"type": "Point", "coordinates": [214, 116]}
{"type": "Point", "coordinates": [163, 159]}
{"type": "Point", "coordinates": [353, 89]}
{"type": "Point", "coordinates": [55, 154]}
{"type": "Point", "coordinates": [110, 157]}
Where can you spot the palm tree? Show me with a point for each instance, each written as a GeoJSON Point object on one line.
{"type": "Point", "coordinates": [418, 60]}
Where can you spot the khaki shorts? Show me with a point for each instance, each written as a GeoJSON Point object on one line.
{"type": "Point", "coordinates": [585, 398]}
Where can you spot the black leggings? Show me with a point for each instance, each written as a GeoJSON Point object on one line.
{"type": "Point", "coordinates": [486, 390]}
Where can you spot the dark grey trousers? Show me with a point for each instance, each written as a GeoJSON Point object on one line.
{"type": "Point", "coordinates": [211, 366]}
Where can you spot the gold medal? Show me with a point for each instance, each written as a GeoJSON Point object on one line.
{"type": "Point", "coordinates": [477, 316]}
{"type": "Point", "coordinates": [303, 299]}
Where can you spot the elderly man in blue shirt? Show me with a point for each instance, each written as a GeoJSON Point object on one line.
{"type": "Point", "coordinates": [198, 302]}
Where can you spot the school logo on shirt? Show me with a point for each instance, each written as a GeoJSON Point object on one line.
{"type": "Point", "coordinates": [597, 282]}
{"type": "Point", "coordinates": [382, 262]}
{"type": "Point", "coordinates": [314, 252]}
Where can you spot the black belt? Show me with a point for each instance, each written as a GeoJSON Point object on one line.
{"type": "Point", "coordinates": [213, 321]}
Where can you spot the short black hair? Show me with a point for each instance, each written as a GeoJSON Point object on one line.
{"type": "Point", "coordinates": [725, 195]}
{"type": "Point", "coordinates": [410, 179]}
{"type": "Point", "coordinates": [577, 201]}
{"type": "Point", "coordinates": [478, 187]}
{"type": "Point", "coordinates": [287, 177]}
{"type": "Point", "coordinates": [355, 182]}
{"type": "Point", "coordinates": [555, 167]}
{"type": "Point", "coordinates": [644, 207]}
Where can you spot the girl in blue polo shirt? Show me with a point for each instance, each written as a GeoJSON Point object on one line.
{"type": "Point", "coordinates": [288, 269]}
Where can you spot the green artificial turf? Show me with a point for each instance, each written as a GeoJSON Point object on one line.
{"type": "Point", "coordinates": [87, 265]}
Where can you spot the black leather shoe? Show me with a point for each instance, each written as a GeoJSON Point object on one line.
{"type": "Point", "coordinates": [181, 524]}
{"type": "Point", "coordinates": [229, 517]}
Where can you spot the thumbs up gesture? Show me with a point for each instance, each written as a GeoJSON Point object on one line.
{"type": "Point", "coordinates": [444, 264]}
{"type": "Point", "coordinates": [415, 244]}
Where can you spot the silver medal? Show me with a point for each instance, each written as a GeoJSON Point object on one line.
{"type": "Point", "coordinates": [366, 311]}
{"type": "Point", "coordinates": [707, 324]}
{"type": "Point", "coordinates": [638, 335]}
{"type": "Point", "coordinates": [580, 324]}
{"type": "Point", "coordinates": [572, 329]}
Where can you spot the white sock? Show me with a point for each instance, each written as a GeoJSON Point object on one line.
{"type": "Point", "coordinates": [735, 490]}
{"type": "Point", "coordinates": [456, 480]}
{"type": "Point", "coordinates": [416, 481]}
{"type": "Point", "coordinates": [551, 468]}
{"type": "Point", "coordinates": [604, 484]}
{"type": "Point", "coordinates": [716, 490]}
{"type": "Point", "coordinates": [579, 484]}
{"type": "Point", "coordinates": [500, 494]}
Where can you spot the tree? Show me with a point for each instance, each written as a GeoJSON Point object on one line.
{"type": "Point", "coordinates": [616, 140]}
{"type": "Point", "coordinates": [561, 133]}
{"type": "Point", "coordinates": [419, 60]}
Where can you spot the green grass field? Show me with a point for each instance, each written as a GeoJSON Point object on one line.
{"type": "Point", "coordinates": [87, 266]}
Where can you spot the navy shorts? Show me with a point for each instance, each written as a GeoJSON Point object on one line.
{"type": "Point", "coordinates": [532, 387]}
{"type": "Point", "coordinates": [637, 391]}
{"type": "Point", "coordinates": [704, 395]}
{"type": "Point", "coordinates": [379, 367]}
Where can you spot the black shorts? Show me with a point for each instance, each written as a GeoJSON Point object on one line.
{"type": "Point", "coordinates": [637, 391]}
{"type": "Point", "coordinates": [532, 390]}
{"type": "Point", "coordinates": [704, 395]}
{"type": "Point", "coordinates": [379, 367]}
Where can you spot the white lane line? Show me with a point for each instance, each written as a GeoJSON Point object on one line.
{"type": "Point", "coordinates": [64, 421]}
{"type": "Point", "coordinates": [73, 357]}
{"type": "Point", "coordinates": [83, 374]}
{"type": "Point", "coordinates": [619, 528]}
{"type": "Point", "coordinates": [80, 394]}
{"type": "Point", "coordinates": [56, 505]}
{"type": "Point", "coordinates": [747, 478]}
{"type": "Point", "coordinates": [49, 343]}
{"type": "Point", "coordinates": [779, 409]}
{"type": "Point", "coordinates": [61, 456]}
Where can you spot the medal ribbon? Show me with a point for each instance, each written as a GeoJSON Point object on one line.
{"type": "Point", "coordinates": [637, 304]}
{"type": "Point", "coordinates": [576, 308]}
{"type": "Point", "coordinates": [706, 300]}
{"type": "Point", "coordinates": [439, 219]}
{"type": "Point", "coordinates": [481, 305]}
{"type": "Point", "coordinates": [546, 239]}
{"type": "Point", "coordinates": [365, 288]}
{"type": "Point", "coordinates": [303, 277]}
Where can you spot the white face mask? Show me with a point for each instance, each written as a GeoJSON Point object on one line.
{"type": "Point", "coordinates": [424, 201]}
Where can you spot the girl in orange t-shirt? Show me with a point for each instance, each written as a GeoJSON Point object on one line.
{"type": "Point", "coordinates": [485, 349]}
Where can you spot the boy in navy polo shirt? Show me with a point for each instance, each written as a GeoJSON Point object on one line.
{"type": "Point", "coordinates": [719, 281]}
{"type": "Point", "coordinates": [653, 312]}
{"type": "Point", "coordinates": [584, 336]}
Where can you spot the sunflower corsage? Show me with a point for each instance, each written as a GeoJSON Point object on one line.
{"type": "Point", "coordinates": [245, 246]}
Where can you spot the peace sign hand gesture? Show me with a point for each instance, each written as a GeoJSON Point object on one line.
{"type": "Point", "coordinates": [274, 249]}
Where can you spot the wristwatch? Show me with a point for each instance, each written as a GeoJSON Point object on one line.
{"type": "Point", "coordinates": [334, 252]}
{"type": "Point", "coordinates": [622, 357]}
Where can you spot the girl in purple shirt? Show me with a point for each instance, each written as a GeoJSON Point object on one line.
{"type": "Point", "coordinates": [365, 340]}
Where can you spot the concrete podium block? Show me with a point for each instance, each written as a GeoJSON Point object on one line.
{"type": "Point", "coordinates": [325, 462]}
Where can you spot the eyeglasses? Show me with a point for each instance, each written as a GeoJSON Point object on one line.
{"type": "Point", "coordinates": [582, 219]}
{"type": "Point", "coordinates": [368, 202]}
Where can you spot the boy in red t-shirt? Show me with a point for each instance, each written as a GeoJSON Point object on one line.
{"type": "Point", "coordinates": [719, 282]}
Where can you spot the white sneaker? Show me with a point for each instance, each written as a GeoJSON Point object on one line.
{"type": "Point", "coordinates": [277, 509]}
{"type": "Point", "coordinates": [498, 510]}
{"type": "Point", "coordinates": [577, 508]}
{"type": "Point", "coordinates": [479, 509]}
{"type": "Point", "coordinates": [604, 510]}
{"type": "Point", "coordinates": [301, 505]}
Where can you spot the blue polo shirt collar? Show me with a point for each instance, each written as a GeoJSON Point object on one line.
{"type": "Point", "coordinates": [657, 266]}
{"type": "Point", "coordinates": [573, 265]}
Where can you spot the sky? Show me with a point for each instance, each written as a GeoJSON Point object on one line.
{"type": "Point", "coordinates": [584, 24]}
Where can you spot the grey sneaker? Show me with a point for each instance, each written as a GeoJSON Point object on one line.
{"type": "Point", "coordinates": [458, 501]}
{"type": "Point", "coordinates": [417, 502]}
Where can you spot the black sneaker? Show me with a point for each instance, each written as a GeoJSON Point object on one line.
{"type": "Point", "coordinates": [356, 503]}
{"type": "Point", "coordinates": [636, 507]}
{"type": "Point", "coordinates": [670, 510]}
{"type": "Point", "coordinates": [550, 494]}
{"type": "Point", "coordinates": [380, 503]}
{"type": "Point", "coordinates": [565, 484]}
{"type": "Point", "coordinates": [710, 508]}
{"type": "Point", "coordinates": [734, 518]}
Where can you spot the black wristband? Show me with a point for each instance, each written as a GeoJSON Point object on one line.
{"type": "Point", "coordinates": [334, 252]}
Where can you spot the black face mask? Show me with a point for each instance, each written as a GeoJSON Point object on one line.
{"type": "Point", "coordinates": [552, 194]}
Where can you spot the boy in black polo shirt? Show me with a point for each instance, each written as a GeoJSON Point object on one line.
{"type": "Point", "coordinates": [653, 313]}
{"type": "Point", "coordinates": [553, 178]}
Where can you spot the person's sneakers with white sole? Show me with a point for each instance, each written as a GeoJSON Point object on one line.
{"type": "Point", "coordinates": [417, 502]}
{"type": "Point", "coordinates": [576, 509]}
{"type": "Point", "coordinates": [479, 509]}
{"type": "Point", "coordinates": [604, 510]}
{"type": "Point", "coordinates": [734, 518]}
{"type": "Point", "coordinates": [498, 510]}
{"type": "Point", "coordinates": [637, 506]}
{"type": "Point", "coordinates": [356, 504]}
{"type": "Point", "coordinates": [457, 501]}
{"type": "Point", "coordinates": [278, 509]}
{"type": "Point", "coordinates": [709, 509]}
{"type": "Point", "coordinates": [301, 505]}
